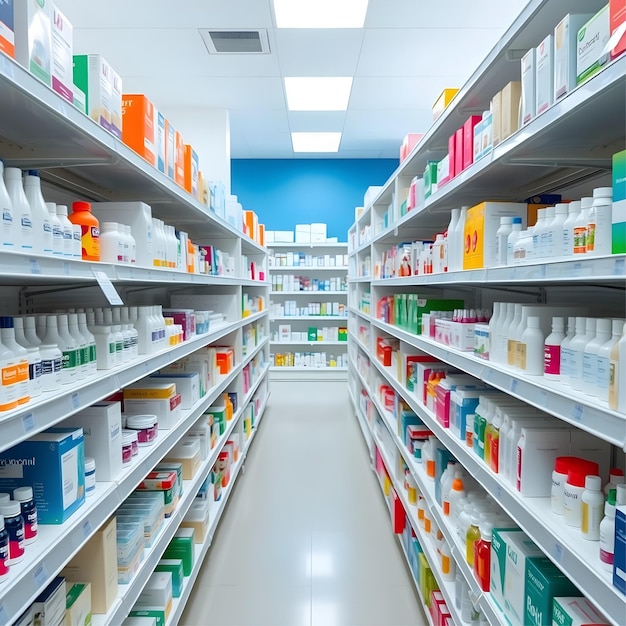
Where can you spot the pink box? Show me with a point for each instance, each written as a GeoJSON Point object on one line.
{"type": "Point", "coordinates": [184, 318]}
{"type": "Point", "coordinates": [462, 336]}
{"type": "Point", "coordinates": [452, 157]}
{"type": "Point", "coordinates": [458, 151]}
{"type": "Point", "coordinates": [408, 143]}
{"type": "Point", "coordinates": [468, 139]}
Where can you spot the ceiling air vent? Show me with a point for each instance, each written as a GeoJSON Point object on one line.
{"type": "Point", "coordinates": [236, 41]}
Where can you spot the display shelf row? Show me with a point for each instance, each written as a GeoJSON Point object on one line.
{"type": "Point", "coordinates": [57, 134]}
{"type": "Point", "coordinates": [339, 318]}
{"type": "Point", "coordinates": [201, 550]}
{"type": "Point", "coordinates": [362, 421]}
{"type": "Point", "coordinates": [308, 343]}
{"type": "Point", "coordinates": [572, 406]}
{"type": "Point", "coordinates": [308, 268]}
{"type": "Point", "coordinates": [51, 408]}
{"type": "Point", "coordinates": [561, 543]}
{"type": "Point", "coordinates": [308, 369]}
{"type": "Point", "coordinates": [304, 244]}
{"type": "Point", "coordinates": [309, 292]}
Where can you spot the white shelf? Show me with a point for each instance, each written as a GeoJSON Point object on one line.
{"type": "Point", "coordinates": [360, 279]}
{"type": "Point", "coordinates": [314, 244]}
{"type": "Point", "coordinates": [308, 343]}
{"type": "Point", "coordinates": [363, 423]}
{"type": "Point", "coordinates": [339, 318]}
{"type": "Point", "coordinates": [579, 559]}
{"type": "Point", "coordinates": [308, 268]}
{"type": "Point", "coordinates": [569, 405]}
{"type": "Point", "coordinates": [308, 369]}
{"type": "Point", "coordinates": [308, 293]}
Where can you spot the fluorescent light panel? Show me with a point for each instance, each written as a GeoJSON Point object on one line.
{"type": "Point", "coordinates": [318, 93]}
{"type": "Point", "coordinates": [320, 13]}
{"type": "Point", "coordinates": [315, 142]}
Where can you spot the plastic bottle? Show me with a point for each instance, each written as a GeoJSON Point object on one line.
{"type": "Point", "coordinates": [590, 356]}
{"type": "Point", "coordinates": [82, 348]}
{"type": "Point", "coordinates": [600, 226]}
{"type": "Point", "coordinates": [51, 366]}
{"type": "Point", "coordinates": [144, 326]}
{"type": "Point", "coordinates": [459, 236]}
{"type": "Point", "coordinates": [42, 225]}
{"type": "Point", "coordinates": [7, 226]}
{"type": "Point", "coordinates": [494, 324]}
{"type": "Point", "coordinates": [523, 252]}
{"type": "Point", "coordinates": [502, 239]}
{"type": "Point", "coordinates": [8, 372]}
{"type": "Point", "coordinates": [482, 556]}
{"type": "Point", "coordinates": [604, 360]}
{"type": "Point", "coordinates": [555, 238]}
{"type": "Point", "coordinates": [533, 352]}
{"type": "Point", "coordinates": [30, 331]}
{"type": "Point", "coordinates": [111, 243]}
{"type": "Point", "coordinates": [617, 375]}
{"type": "Point", "coordinates": [516, 229]}
{"type": "Point", "coordinates": [67, 229]}
{"type": "Point", "coordinates": [580, 227]}
{"type": "Point", "coordinates": [116, 330]}
{"type": "Point", "coordinates": [7, 336]}
{"type": "Point", "coordinates": [566, 352]}
{"type": "Point", "coordinates": [23, 221]}
{"type": "Point", "coordinates": [559, 478]}
{"type": "Point", "coordinates": [502, 332]}
{"type": "Point", "coordinates": [448, 564]}
{"type": "Point", "coordinates": [454, 245]}
{"type": "Point", "coordinates": [546, 243]}
{"type": "Point", "coordinates": [14, 525]}
{"type": "Point", "coordinates": [457, 492]}
{"type": "Point", "coordinates": [132, 245]}
{"type": "Point", "coordinates": [472, 537]}
{"type": "Point", "coordinates": [518, 332]}
{"type": "Point", "coordinates": [573, 210]}
{"type": "Point", "coordinates": [511, 339]}
{"type": "Point", "coordinates": [4, 551]}
{"type": "Point", "coordinates": [57, 229]}
{"type": "Point", "coordinates": [90, 230]}
{"type": "Point", "coordinates": [573, 489]}
{"type": "Point", "coordinates": [90, 355]}
{"type": "Point", "coordinates": [592, 508]}
{"type": "Point", "coordinates": [61, 338]}
{"type": "Point", "coordinates": [607, 532]}
{"type": "Point", "coordinates": [538, 233]}
{"type": "Point", "coordinates": [445, 482]}
{"type": "Point", "coordinates": [106, 349]}
{"type": "Point", "coordinates": [125, 243]}
{"type": "Point", "coordinates": [577, 347]}
{"type": "Point", "coordinates": [552, 350]}
{"type": "Point", "coordinates": [616, 477]}
{"type": "Point", "coordinates": [24, 495]}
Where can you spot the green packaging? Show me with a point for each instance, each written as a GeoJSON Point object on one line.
{"type": "Point", "coordinates": [619, 202]}
{"type": "Point", "coordinates": [175, 568]}
{"type": "Point", "coordinates": [182, 547]}
{"type": "Point", "coordinates": [312, 334]}
{"type": "Point", "coordinates": [155, 613]}
{"type": "Point", "coordinates": [430, 178]}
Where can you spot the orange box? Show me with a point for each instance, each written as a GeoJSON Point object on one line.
{"type": "Point", "coordinates": [191, 170]}
{"type": "Point", "coordinates": [138, 131]}
{"type": "Point", "coordinates": [261, 235]}
{"type": "Point", "coordinates": [617, 17]}
{"type": "Point", "coordinates": [252, 223]}
{"type": "Point", "coordinates": [7, 34]}
{"type": "Point", "coordinates": [179, 159]}
{"type": "Point", "coordinates": [442, 102]}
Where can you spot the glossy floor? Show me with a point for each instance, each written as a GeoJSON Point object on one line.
{"type": "Point", "coordinates": [306, 539]}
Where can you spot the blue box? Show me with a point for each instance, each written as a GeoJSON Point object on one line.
{"type": "Point", "coordinates": [619, 561]}
{"type": "Point", "coordinates": [161, 142]}
{"type": "Point", "coordinates": [53, 464]}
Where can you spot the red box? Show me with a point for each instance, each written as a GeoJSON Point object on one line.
{"type": "Point", "coordinates": [468, 139]}
{"type": "Point", "coordinates": [458, 151]}
{"type": "Point", "coordinates": [617, 17]}
{"type": "Point", "coordinates": [452, 157]}
{"type": "Point", "coordinates": [398, 516]}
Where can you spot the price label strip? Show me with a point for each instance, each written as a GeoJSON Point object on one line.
{"type": "Point", "coordinates": [28, 423]}
{"type": "Point", "coordinates": [109, 291]}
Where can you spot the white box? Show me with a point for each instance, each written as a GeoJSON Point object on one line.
{"type": "Point", "coordinates": [153, 398]}
{"type": "Point", "coordinates": [592, 448]}
{"type": "Point", "coordinates": [157, 591]}
{"type": "Point", "coordinates": [544, 82]}
{"type": "Point", "coordinates": [62, 68]}
{"type": "Point", "coordinates": [140, 621]}
{"type": "Point", "coordinates": [284, 332]}
{"type": "Point", "coordinates": [575, 612]}
{"type": "Point", "coordinates": [138, 216]}
{"type": "Point", "coordinates": [528, 103]}
{"type": "Point", "coordinates": [78, 605]}
{"type": "Point", "coordinates": [161, 140]}
{"type": "Point", "coordinates": [187, 385]}
{"type": "Point", "coordinates": [201, 432]}
{"type": "Point", "coordinates": [102, 432]}
{"type": "Point", "coordinates": [303, 233]}
{"type": "Point", "coordinates": [32, 24]}
{"type": "Point", "coordinates": [566, 52]}
{"type": "Point", "coordinates": [318, 233]}
{"type": "Point", "coordinates": [592, 39]}
{"type": "Point", "coordinates": [283, 236]}
{"type": "Point", "coordinates": [49, 606]}
{"type": "Point", "coordinates": [92, 74]}
{"type": "Point", "coordinates": [116, 103]}
{"type": "Point", "coordinates": [269, 236]}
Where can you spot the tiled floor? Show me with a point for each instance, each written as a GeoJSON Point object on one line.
{"type": "Point", "coordinates": [306, 538]}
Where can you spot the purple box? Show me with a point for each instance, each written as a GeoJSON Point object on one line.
{"type": "Point", "coordinates": [184, 318]}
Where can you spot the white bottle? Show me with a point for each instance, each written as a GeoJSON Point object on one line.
{"type": "Point", "coordinates": [448, 564]}
{"type": "Point", "coordinates": [580, 227]}
{"type": "Point", "coordinates": [145, 326]}
{"type": "Point", "coordinates": [7, 226]}
{"type": "Point", "coordinates": [439, 261]}
{"type": "Point", "coordinates": [566, 352]}
{"type": "Point", "coordinates": [616, 477]}
{"type": "Point", "coordinates": [42, 226]}
{"type": "Point", "coordinates": [82, 348]}
{"type": "Point", "coordinates": [446, 484]}
{"type": "Point", "coordinates": [23, 229]}
{"type": "Point", "coordinates": [592, 508]}
{"type": "Point", "coordinates": [91, 351]}
{"type": "Point", "coordinates": [546, 242]}
{"type": "Point", "coordinates": [538, 230]}
{"type": "Point", "coordinates": [516, 229]}
{"type": "Point", "coordinates": [534, 341]}
{"type": "Point", "coordinates": [111, 243]}
{"type": "Point", "coordinates": [552, 350]}
{"type": "Point", "coordinates": [576, 349]}
{"type": "Point", "coordinates": [502, 332]}
{"type": "Point", "coordinates": [132, 332]}
{"type": "Point", "coordinates": [502, 239]}
{"type": "Point", "coordinates": [51, 366]}
{"type": "Point", "coordinates": [68, 230]}
{"type": "Point", "coordinates": [561, 211]}
{"type": "Point", "coordinates": [116, 331]}
{"type": "Point", "coordinates": [573, 211]}
{"type": "Point", "coordinates": [173, 246]}
{"type": "Point", "coordinates": [125, 243]}
{"type": "Point", "coordinates": [77, 251]}
{"type": "Point", "coordinates": [524, 251]}
{"type": "Point", "coordinates": [493, 329]}
{"type": "Point", "coordinates": [518, 332]}
{"type": "Point", "coordinates": [106, 349]}
{"type": "Point", "coordinates": [7, 336]}
{"type": "Point", "coordinates": [34, 371]}
{"type": "Point", "coordinates": [604, 360]}
{"type": "Point", "coordinates": [453, 245]}
{"type": "Point", "coordinates": [57, 230]}
{"type": "Point", "coordinates": [590, 356]}
{"type": "Point", "coordinates": [133, 245]}
{"type": "Point", "coordinates": [158, 312]}
{"type": "Point", "coordinates": [67, 345]}
{"type": "Point", "coordinates": [600, 227]}
{"type": "Point", "coordinates": [511, 331]}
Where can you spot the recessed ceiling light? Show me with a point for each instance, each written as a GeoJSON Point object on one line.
{"type": "Point", "coordinates": [315, 142]}
{"type": "Point", "coordinates": [318, 94]}
{"type": "Point", "coordinates": [320, 13]}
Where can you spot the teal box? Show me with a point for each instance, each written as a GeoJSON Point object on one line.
{"type": "Point", "coordinates": [430, 179]}
{"type": "Point", "coordinates": [619, 202]}
{"type": "Point", "coordinates": [544, 582]}
{"type": "Point", "coordinates": [175, 568]}
{"type": "Point", "coordinates": [53, 464]}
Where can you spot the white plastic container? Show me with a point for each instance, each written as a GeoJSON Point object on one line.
{"type": "Point", "coordinates": [23, 221]}
{"type": "Point", "coordinates": [494, 322]}
{"type": "Point", "coordinates": [502, 238]}
{"type": "Point", "coordinates": [538, 232]}
{"type": "Point", "coordinates": [566, 353]}
{"type": "Point", "coordinates": [90, 476]}
{"type": "Point", "coordinates": [600, 226]}
{"type": "Point", "coordinates": [90, 342]}
{"type": "Point", "coordinates": [57, 230]}
{"type": "Point", "coordinates": [590, 356]}
{"type": "Point", "coordinates": [42, 226]}
{"type": "Point", "coordinates": [546, 241]}
{"type": "Point", "coordinates": [604, 360]}
{"type": "Point", "coordinates": [533, 354]}
{"type": "Point", "coordinates": [51, 366]}
{"type": "Point", "coordinates": [111, 243]}
{"type": "Point", "coordinates": [576, 348]}
{"type": "Point", "coordinates": [617, 375]}
{"type": "Point", "coordinates": [552, 350]}
{"type": "Point", "coordinates": [7, 336]}
{"type": "Point", "coordinates": [516, 229]}
{"type": "Point", "coordinates": [68, 231]}
{"type": "Point", "coordinates": [7, 226]}
{"type": "Point", "coordinates": [568, 228]}
{"type": "Point", "coordinates": [555, 238]}
{"type": "Point", "coordinates": [592, 508]}
{"type": "Point", "coordinates": [105, 347]}
{"type": "Point", "coordinates": [67, 345]}
{"type": "Point", "coordinates": [580, 227]}
{"type": "Point", "coordinates": [82, 349]}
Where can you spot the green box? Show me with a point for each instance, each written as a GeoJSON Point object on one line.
{"type": "Point", "coordinates": [498, 564]}
{"type": "Point", "coordinates": [544, 581]}
{"type": "Point", "coordinates": [411, 308]}
{"type": "Point", "coordinates": [312, 334]}
{"type": "Point", "coordinates": [619, 202]}
{"type": "Point", "coordinates": [182, 547]}
{"type": "Point", "coordinates": [430, 179]}
{"type": "Point", "coordinates": [170, 466]}
{"type": "Point", "coordinates": [157, 614]}
{"type": "Point", "coordinates": [175, 568]}
{"type": "Point", "coordinates": [342, 334]}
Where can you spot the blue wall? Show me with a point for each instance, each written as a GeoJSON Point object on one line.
{"type": "Point", "coordinates": [286, 192]}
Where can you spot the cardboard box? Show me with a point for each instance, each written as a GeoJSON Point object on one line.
{"type": "Point", "coordinates": [592, 39]}
{"type": "Point", "coordinates": [32, 26]}
{"type": "Point", "coordinates": [303, 233]}
{"type": "Point", "coordinates": [408, 143]}
{"type": "Point", "coordinates": [80, 99]}
{"type": "Point", "coordinates": [198, 518]}
{"type": "Point", "coordinates": [443, 101]}
{"type": "Point", "coordinates": [7, 34]}
{"type": "Point", "coordinates": [155, 613]}
{"type": "Point", "coordinates": [575, 611]}
{"type": "Point", "coordinates": [139, 132]}
{"type": "Point", "coordinates": [161, 141]}
{"type": "Point", "coordinates": [153, 398]}
{"type": "Point", "coordinates": [468, 139]}
{"type": "Point", "coordinates": [430, 179]}
{"type": "Point", "coordinates": [251, 221]}
{"type": "Point", "coordinates": [496, 111]}
{"type": "Point", "coordinates": [511, 96]}
{"type": "Point", "coordinates": [102, 431]}
{"type": "Point", "coordinates": [192, 166]}
{"type": "Point", "coordinates": [78, 605]}
{"type": "Point", "coordinates": [617, 22]}
{"type": "Point", "coordinates": [481, 225]}
{"type": "Point", "coordinates": [187, 384]}
{"type": "Point", "coordinates": [170, 149]}
{"type": "Point", "coordinates": [528, 105]}
{"type": "Point", "coordinates": [116, 103]}
{"type": "Point", "coordinates": [53, 464]}
{"type": "Point", "coordinates": [187, 453]}
{"type": "Point", "coordinates": [157, 592]}
{"type": "Point", "coordinates": [92, 77]}
{"type": "Point", "coordinates": [619, 203]}
{"type": "Point", "coordinates": [487, 134]}
{"type": "Point", "coordinates": [179, 159]}
{"type": "Point", "coordinates": [619, 562]}
{"type": "Point", "coordinates": [96, 563]}
{"type": "Point", "coordinates": [566, 52]}
{"type": "Point", "coordinates": [62, 55]}
{"type": "Point", "coordinates": [318, 233]}
{"type": "Point", "coordinates": [175, 568]}
{"type": "Point", "coordinates": [544, 76]}
{"type": "Point", "coordinates": [49, 606]}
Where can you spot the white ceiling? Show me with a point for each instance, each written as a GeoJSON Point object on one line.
{"type": "Point", "coordinates": [407, 53]}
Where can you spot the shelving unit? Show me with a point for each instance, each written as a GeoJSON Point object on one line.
{"type": "Point", "coordinates": [317, 262]}
{"type": "Point", "coordinates": [38, 129]}
{"type": "Point", "coordinates": [558, 151]}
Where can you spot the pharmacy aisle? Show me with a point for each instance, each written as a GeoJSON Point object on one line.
{"type": "Point", "coordinates": [306, 538]}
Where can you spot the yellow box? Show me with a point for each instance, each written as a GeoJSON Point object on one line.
{"type": "Point", "coordinates": [154, 391]}
{"type": "Point", "coordinates": [251, 221]}
{"type": "Point", "coordinates": [496, 119]}
{"type": "Point", "coordinates": [442, 102]}
{"type": "Point", "coordinates": [481, 225]}
{"type": "Point", "coordinates": [510, 100]}
{"type": "Point", "coordinates": [203, 189]}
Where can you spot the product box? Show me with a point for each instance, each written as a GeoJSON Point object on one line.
{"type": "Point", "coordinates": [32, 25]}
{"type": "Point", "coordinates": [566, 52]}
{"type": "Point", "coordinates": [303, 233]}
{"type": "Point", "coordinates": [197, 518]}
{"type": "Point", "coordinates": [544, 75]}
{"type": "Point", "coordinates": [481, 224]}
{"type": "Point", "coordinates": [78, 604]}
{"type": "Point", "coordinates": [170, 149]}
{"type": "Point", "coordinates": [478, 141]}
{"type": "Point", "coordinates": [182, 547]}
{"type": "Point", "coordinates": [144, 620]}
{"type": "Point", "coordinates": [7, 34]}
{"type": "Point", "coordinates": [575, 611]}
{"type": "Point", "coordinates": [154, 613]}
{"type": "Point", "coordinates": [592, 40]}
{"type": "Point", "coordinates": [458, 151]}
{"type": "Point", "coordinates": [187, 384]}
{"type": "Point", "coordinates": [468, 139]}
{"type": "Point", "coordinates": [619, 203]}
{"type": "Point", "coordinates": [53, 463]}
{"type": "Point", "coordinates": [442, 102]}
{"type": "Point", "coordinates": [175, 569]}
{"type": "Point", "coordinates": [92, 77]}
{"type": "Point", "coordinates": [511, 96]}
{"type": "Point", "coordinates": [408, 143]}
{"type": "Point", "coordinates": [102, 431]}
{"type": "Point", "coordinates": [251, 221]}
{"type": "Point", "coordinates": [544, 581]}
{"type": "Point", "coordinates": [528, 108]}
{"type": "Point", "coordinates": [496, 112]}
{"type": "Point", "coordinates": [161, 141]}
{"type": "Point", "coordinates": [487, 134]}
{"type": "Point", "coordinates": [96, 563]}
{"type": "Point", "coordinates": [79, 99]}
{"type": "Point", "coordinates": [62, 55]}
{"type": "Point", "coordinates": [153, 398]}
{"type": "Point", "coordinates": [617, 23]}
{"type": "Point", "coordinates": [179, 159]}
{"type": "Point", "coordinates": [443, 171]}
{"type": "Point", "coordinates": [318, 233]}
{"type": "Point", "coordinates": [191, 167]}
{"type": "Point", "coordinates": [187, 453]}
{"type": "Point", "coordinates": [139, 132]}
{"type": "Point", "coordinates": [116, 103]}
{"type": "Point", "coordinates": [49, 606]}
{"type": "Point", "coordinates": [157, 592]}
{"type": "Point", "coordinates": [201, 431]}
{"type": "Point", "coordinates": [619, 563]}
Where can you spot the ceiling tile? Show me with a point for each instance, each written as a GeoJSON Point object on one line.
{"type": "Point", "coordinates": [366, 128]}
{"type": "Point", "coordinates": [309, 121]}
